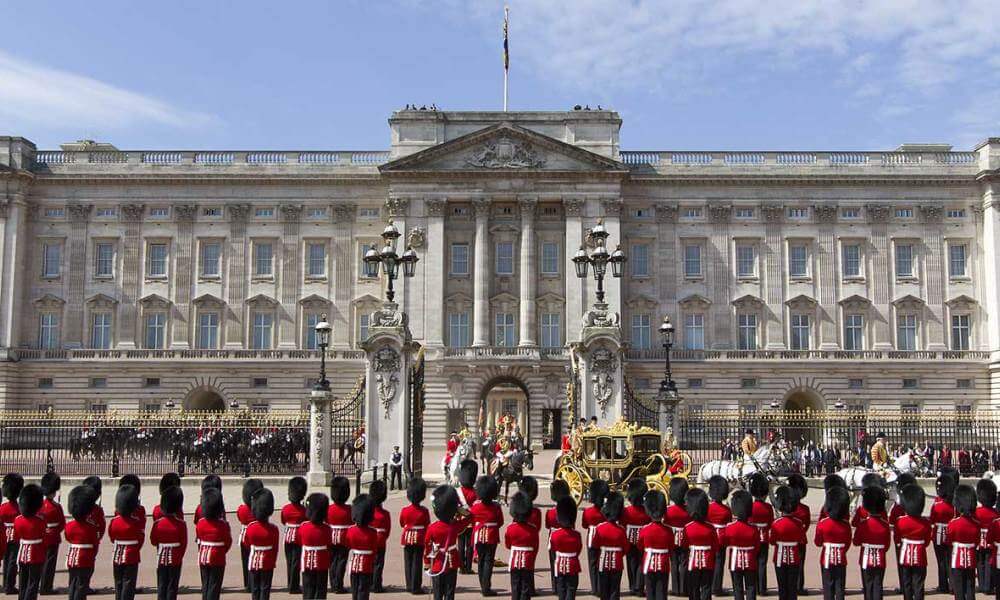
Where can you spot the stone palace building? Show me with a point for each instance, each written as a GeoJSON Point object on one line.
{"type": "Point", "coordinates": [135, 278]}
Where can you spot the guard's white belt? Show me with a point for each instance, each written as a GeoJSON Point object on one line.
{"type": "Point", "coordinates": [565, 555]}
{"type": "Point", "coordinates": [125, 542]}
{"type": "Point", "coordinates": [260, 548]}
{"type": "Point", "coordinates": [415, 527]}
{"type": "Point", "coordinates": [170, 545]}
{"type": "Point", "coordinates": [314, 548]}
{"type": "Point", "coordinates": [362, 552]}
{"type": "Point", "coordinates": [211, 544]}
{"type": "Point", "coordinates": [30, 542]}
{"type": "Point", "coordinates": [80, 546]}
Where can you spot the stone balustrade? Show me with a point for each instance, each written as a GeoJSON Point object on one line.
{"type": "Point", "coordinates": [861, 355]}
{"type": "Point", "coordinates": [668, 159]}
{"type": "Point", "coordinates": [506, 352]}
{"type": "Point", "coordinates": [54, 160]}
{"type": "Point", "coordinates": [142, 354]}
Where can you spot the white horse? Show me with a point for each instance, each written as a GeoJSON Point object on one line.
{"type": "Point", "coordinates": [735, 470]}
{"type": "Point", "coordinates": [904, 463]}
{"type": "Point", "coordinates": [450, 468]}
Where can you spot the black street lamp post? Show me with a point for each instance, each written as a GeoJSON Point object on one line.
{"type": "Point", "coordinates": [599, 259]}
{"type": "Point", "coordinates": [323, 330]}
{"type": "Point", "coordinates": [389, 260]}
{"type": "Point", "coordinates": [668, 396]}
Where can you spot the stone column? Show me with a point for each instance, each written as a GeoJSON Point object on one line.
{"type": "Point", "coordinates": [291, 274]}
{"type": "Point", "coordinates": [827, 277]}
{"type": "Point", "coordinates": [434, 272]}
{"type": "Point", "coordinates": [319, 440]}
{"type": "Point", "coordinates": [601, 375]}
{"type": "Point", "coordinates": [132, 215]}
{"type": "Point", "coordinates": [13, 223]}
{"type": "Point", "coordinates": [483, 269]}
{"type": "Point", "coordinates": [238, 282]}
{"type": "Point", "coordinates": [389, 352]}
{"type": "Point", "coordinates": [990, 209]}
{"type": "Point", "coordinates": [935, 276]}
{"type": "Point", "coordinates": [720, 277]}
{"type": "Point", "coordinates": [666, 258]}
{"type": "Point", "coordinates": [576, 297]}
{"type": "Point", "coordinates": [186, 267]}
{"type": "Point", "coordinates": [773, 254]}
{"type": "Point", "coordinates": [985, 295]}
{"type": "Point", "coordinates": [880, 275]}
{"type": "Point", "coordinates": [346, 274]}
{"type": "Point", "coordinates": [73, 332]}
{"type": "Point", "coordinates": [529, 273]}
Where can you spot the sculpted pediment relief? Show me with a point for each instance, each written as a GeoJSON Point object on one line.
{"type": "Point", "coordinates": [155, 301]}
{"type": "Point", "coordinates": [695, 301]}
{"type": "Point", "coordinates": [208, 301]}
{"type": "Point", "coordinates": [366, 300]}
{"type": "Point", "coordinates": [961, 302]}
{"type": "Point", "coordinates": [262, 301]}
{"type": "Point", "coordinates": [748, 302]}
{"type": "Point", "coordinates": [642, 301]}
{"type": "Point", "coordinates": [101, 301]}
{"type": "Point", "coordinates": [856, 302]}
{"type": "Point", "coordinates": [550, 302]}
{"type": "Point", "coordinates": [908, 302]}
{"type": "Point", "coordinates": [50, 301]}
{"type": "Point", "coordinates": [458, 301]}
{"type": "Point", "coordinates": [801, 302]}
{"type": "Point", "coordinates": [314, 301]}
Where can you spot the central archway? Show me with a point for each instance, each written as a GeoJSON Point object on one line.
{"type": "Point", "coordinates": [204, 399]}
{"type": "Point", "coordinates": [506, 397]}
{"type": "Point", "coordinates": [799, 404]}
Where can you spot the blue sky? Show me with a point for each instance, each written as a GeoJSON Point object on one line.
{"type": "Point", "coordinates": [738, 74]}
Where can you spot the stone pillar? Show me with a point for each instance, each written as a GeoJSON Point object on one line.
{"type": "Point", "coordinates": [881, 274]}
{"type": "Point", "coordinates": [291, 274]}
{"type": "Point", "coordinates": [319, 440]}
{"type": "Point", "coordinates": [720, 277]}
{"type": "Point", "coordinates": [434, 272]}
{"type": "Point", "coordinates": [601, 375]}
{"type": "Point", "coordinates": [132, 215]}
{"type": "Point", "coordinates": [239, 277]}
{"type": "Point", "coordinates": [827, 277]}
{"type": "Point", "coordinates": [529, 273]}
{"type": "Point", "coordinates": [576, 297]}
{"type": "Point", "coordinates": [935, 276]}
{"type": "Point", "coordinates": [773, 254]}
{"type": "Point", "coordinates": [389, 353]}
{"type": "Point", "coordinates": [186, 267]}
{"type": "Point", "coordinates": [483, 269]}
{"type": "Point", "coordinates": [985, 295]}
{"type": "Point", "coordinates": [13, 223]}
{"type": "Point", "coordinates": [345, 271]}
{"type": "Point", "coordinates": [991, 283]}
{"type": "Point", "coordinates": [73, 332]}
{"type": "Point", "coordinates": [666, 258]}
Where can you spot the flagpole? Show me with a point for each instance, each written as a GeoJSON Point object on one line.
{"type": "Point", "coordinates": [506, 53]}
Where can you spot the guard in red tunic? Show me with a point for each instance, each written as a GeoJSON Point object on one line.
{"type": "Point", "coordinates": [566, 545]}
{"type": "Point", "coordinates": [96, 517]}
{"type": "Point", "coordinates": [804, 515]}
{"type": "Point", "coordinates": [913, 534]}
{"type": "Point", "coordinates": [872, 536]}
{"type": "Point", "coordinates": [787, 536]}
{"type": "Point", "coordinates": [833, 538]}
{"type": "Point", "coordinates": [293, 514]}
{"type": "Point", "coordinates": [830, 481]}
{"type": "Point", "coordinates": [81, 540]}
{"type": "Point", "coordinates": [896, 512]}
{"type": "Point", "coordinates": [127, 534]}
{"type": "Point", "coordinates": [677, 518]}
{"type": "Point", "coordinates": [210, 481]}
{"type": "Point", "coordinates": [612, 544]}
{"type": "Point", "coordinates": [314, 538]}
{"type": "Point", "coordinates": [993, 538]}
{"type": "Point", "coordinates": [634, 518]}
{"type": "Point", "coordinates": [167, 481]}
{"type": "Point", "coordinates": [942, 512]}
{"type": "Point", "coordinates": [761, 517]}
{"type": "Point", "coordinates": [214, 540]}
{"type": "Point", "coordinates": [592, 517]}
{"type": "Point", "coordinates": [338, 517]}
{"type": "Point", "coordinates": [29, 537]}
{"type": "Point", "coordinates": [11, 488]}
{"type": "Point", "coordinates": [55, 521]}
{"type": "Point", "coordinates": [741, 541]}
{"type": "Point", "coordinates": [558, 490]}
{"type": "Point", "coordinates": [382, 524]}
{"type": "Point", "coordinates": [261, 541]}
{"type": "Point", "coordinates": [468, 471]}
{"type": "Point", "coordinates": [413, 520]}
{"type": "Point", "coordinates": [169, 535]}
{"type": "Point", "coordinates": [487, 519]}
{"type": "Point", "coordinates": [701, 543]}
{"type": "Point", "coordinates": [655, 542]}
{"type": "Point", "coordinates": [529, 485]}
{"type": "Point", "coordinates": [521, 539]}
{"type": "Point", "coordinates": [963, 536]}
{"type": "Point", "coordinates": [719, 516]}
{"type": "Point", "coordinates": [441, 544]}
{"type": "Point", "coordinates": [134, 481]}
{"type": "Point", "coordinates": [986, 493]}
{"type": "Point", "coordinates": [244, 514]}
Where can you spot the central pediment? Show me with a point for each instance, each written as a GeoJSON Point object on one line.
{"type": "Point", "coordinates": [506, 148]}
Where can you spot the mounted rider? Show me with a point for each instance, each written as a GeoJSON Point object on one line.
{"type": "Point", "coordinates": [749, 444]}
{"type": "Point", "coordinates": [879, 453]}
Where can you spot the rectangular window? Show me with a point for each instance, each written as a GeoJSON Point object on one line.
{"type": "Point", "coordinates": [364, 320]}
{"type": "Point", "coordinates": [852, 260]}
{"type": "Point", "coordinates": [361, 259]}
{"type": "Point", "coordinates": [317, 213]}
{"type": "Point", "coordinates": [458, 330]}
{"type": "Point", "coordinates": [505, 330]}
{"type": "Point", "coordinates": [48, 331]}
{"type": "Point", "coordinates": [317, 260]}
{"type": "Point", "coordinates": [212, 211]}
{"type": "Point", "coordinates": [104, 259]}
{"type": "Point", "coordinates": [368, 213]}
{"type": "Point", "coordinates": [159, 211]}
{"type": "Point", "coordinates": [692, 213]}
{"type": "Point", "coordinates": [854, 326]}
{"type": "Point", "coordinates": [904, 213]}
{"type": "Point", "coordinates": [98, 382]}
{"type": "Point", "coordinates": [263, 259]}
{"type": "Point", "coordinates": [904, 260]}
{"type": "Point", "coordinates": [309, 341]}
{"type": "Point", "coordinates": [956, 260]}
{"type": "Point", "coordinates": [748, 382]}
{"type": "Point", "coordinates": [211, 257]}
{"type": "Point", "coordinates": [798, 260]}
{"type": "Point", "coordinates": [208, 330]}
{"type": "Point", "coordinates": [55, 212]}
{"type": "Point", "coordinates": [695, 383]}
{"type": "Point", "coordinates": [855, 384]}
{"type": "Point", "coordinates": [692, 260]}
{"type": "Point", "coordinates": [106, 211]}
{"type": "Point", "coordinates": [640, 332]}
{"type": "Point", "coordinates": [960, 329]}
{"type": "Point", "coordinates": [263, 329]}
{"type": "Point", "coordinates": [798, 213]}
{"type": "Point", "coordinates": [906, 332]}
{"type": "Point", "coordinates": [956, 213]}
{"type": "Point", "coordinates": [259, 382]}
{"type": "Point", "coordinates": [100, 330]}
{"type": "Point", "coordinates": [694, 332]}
{"type": "Point", "coordinates": [850, 213]}
{"type": "Point", "coordinates": [505, 258]}
{"type": "Point", "coordinates": [744, 213]}
{"type": "Point", "coordinates": [156, 330]}
{"type": "Point", "coordinates": [746, 261]}
{"type": "Point", "coordinates": [910, 383]}
{"type": "Point", "coordinates": [151, 382]}
{"type": "Point", "coordinates": [156, 263]}
{"type": "Point", "coordinates": [963, 384]}
{"type": "Point", "coordinates": [459, 259]}
{"type": "Point", "coordinates": [800, 332]}
{"type": "Point", "coordinates": [550, 258]}
{"type": "Point", "coordinates": [264, 213]}
{"type": "Point", "coordinates": [45, 383]}
{"type": "Point", "coordinates": [747, 332]}
{"type": "Point", "coordinates": [639, 260]}
{"type": "Point", "coordinates": [551, 330]}
{"type": "Point", "coordinates": [51, 259]}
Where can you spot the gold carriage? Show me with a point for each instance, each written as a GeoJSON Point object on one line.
{"type": "Point", "coordinates": [618, 454]}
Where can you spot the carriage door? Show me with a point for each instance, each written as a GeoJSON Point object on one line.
{"type": "Point", "coordinates": [552, 428]}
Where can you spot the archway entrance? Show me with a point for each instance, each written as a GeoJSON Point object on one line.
{"type": "Point", "coordinates": [504, 403]}
{"type": "Point", "coordinates": [801, 423]}
{"type": "Point", "coordinates": [204, 399]}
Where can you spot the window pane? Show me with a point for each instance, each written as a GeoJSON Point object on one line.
{"type": "Point", "coordinates": [692, 260]}
{"type": "Point", "coordinates": [550, 258]}
{"type": "Point", "coordinates": [745, 263]}
{"type": "Point", "coordinates": [210, 259]}
{"type": "Point", "coordinates": [505, 329]}
{"type": "Point", "coordinates": [551, 330]}
{"type": "Point", "coordinates": [309, 338]}
{"type": "Point", "coordinates": [906, 332]}
{"type": "Point", "coordinates": [853, 332]}
{"type": "Point", "coordinates": [459, 259]}
{"type": "Point", "coordinates": [48, 333]}
{"type": "Point", "coordinates": [100, 331]}
{"type": "Point", "coordinates": [105, 255]}
{"type": "Point", "coordinates": [262, 259]}
{"type": "Point", "coordinates": [748, 332]}
{"type": "Point", "coordinates": [800, 332]}
{"type": "Point", "coordinates": [640, 331]}
{"type": "Point", "coordinates": [904, 260]}
{"type": "Point", "coordinates": [505, 258]}
{"type": "Point", "coordinates": [363, 322]}
{"type": "Point", "coordinates": [694, 332]}
{"type": "Point", "coordinates": [156, 324]}
{"type": "Point", "coordinates": [208, 330]}
{"type": "Point", "coordinates": [262, 328]}
{"type": "Point", "coordinates": [798, 261]}
{"type": "Point", "coordinates": [960, 330]}
{"type": "Point", "coordinates": [51, 256]}
{"type": "Point", "coordinates": [956, 256]}
{"type": "Point", "coordinates": [458, 330]}
{"type": "Point", "coordinates": [639, 260]}
{"type": "Point", "coordinates": [317, 260]}
{"type": "Point", "coordinates": [852, 261]}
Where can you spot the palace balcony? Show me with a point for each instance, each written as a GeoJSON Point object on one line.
{"type": "Point", "coordinates": [659, 354]}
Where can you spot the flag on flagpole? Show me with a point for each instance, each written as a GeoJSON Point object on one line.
{"type": "Point", "coordinates": [506, 43]}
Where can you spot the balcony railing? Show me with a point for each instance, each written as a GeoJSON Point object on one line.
{"type": "Point", "coordinates": [755, 160]}
{"type": "Point", "coordinates": [703, 355]}
{"type": "Point", "coordinates": [215, 158]}
{"type": "Point", "coordinates": [141, 354]}
{"type": "Point", "coordinates": [507, 352]}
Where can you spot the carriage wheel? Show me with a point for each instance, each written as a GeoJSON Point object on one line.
{"type": "Point", "coordinates": [657, 484]}
{"type": "Point", "coordinates": [574, 479]}
{"type": "Point", "coordinates": [687, 462]}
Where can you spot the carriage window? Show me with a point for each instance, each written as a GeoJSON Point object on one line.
{"type": "Point", "coordinates": [604, 449]}
{"type": "Point", "coordinates": [590, 449]}
{"type": "Point", "coordinates": [621, 448]}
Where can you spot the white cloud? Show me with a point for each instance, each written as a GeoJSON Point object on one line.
{"type": "Point", "coordinates": [31, 93]}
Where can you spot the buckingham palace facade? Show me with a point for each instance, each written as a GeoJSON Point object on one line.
{"type": "Point", "coordinates": [194, 278]}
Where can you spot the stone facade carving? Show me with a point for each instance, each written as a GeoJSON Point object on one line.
{"type": "Point", "coordinates": [238, 212]}
{"type": "Point", "coordinates": [416, 238]}
{"type": "Point", "coordinates": [505, 153]}
{"type": "Point", "coordinates": [185, 213]}
{"type": "Point", "coordinates": [825, 213]}
{"type": "Point", "coordinates": [667, 213]}
{"type": "Point", "coordinates": [132, 212]}
{"type": "Point", "coordinates": [719, 213]}
{"type": "Point", "coordinates": [436, 206]}
{"type": "Point", "coordinates": [385, 364]}
{"type": "Point", "coordinates": [931, 213]}
{"type": "Point", "coordinates": [79, 212]}
{"type": "Point", "coordinates": [600, 316]}
{"type": "Point", "coordinates": [291, 212]}
{"type": "Point", "coordinates": [604, 365]}
{"type": "Point", "coordinates": [573, 207]}
{"type": "Point", "coordinates": [528, 207]}
{"type": "Point", "coordinates": [612, 207]}
{"type": "Point", "coordinates": [396, 206]}
{"type": "Point", "coordinates": [877, 213]}
{"type": "Point", "coordinates": [772, 213]}
{"type": "Point", "coordinates": [388, 315]}
{"type": "Point", "coordinates": [345, 212]}
{"type": "Point", "coordinates": [482, 206]}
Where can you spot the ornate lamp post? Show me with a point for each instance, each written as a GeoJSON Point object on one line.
{"type": "Point", "coordinates": [323, 330]}
{"type": "Point", "coordinates": [389, 260]}
{"type": "Point", "coordinates": [319, 438]}
{"type": "Point", "coordinates": [600, 259]}
{"type": "Point", "coordinates": [667, 396]}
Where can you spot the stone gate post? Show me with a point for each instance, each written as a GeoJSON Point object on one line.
{"type": "Point", "coordinates": [319, 439]}
{"type": "Point", "coordinates": [601, 372]}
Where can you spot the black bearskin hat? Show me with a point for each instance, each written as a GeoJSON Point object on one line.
{"type": "Point", "coordinates": [566, 512]}
{"type": "Point", "coordinates": [170, 480]}
{"type": "Point", "coordinates": [696, 502]}
{"type": "Point", "coordinates": [986, 492]}
{"type": "Point", "coordinates": [444, 503]}
{"type": "Point", "coordinates": [132, 480]}
{"type": "Point", "coordinates": [126, 500]}
{"type": "Point", "coordinates": [529, 485]}
{"type": "Point", "coordinates": [520, 507]}
{"type": "Point", "coordinates": [965, 500]}
{"type": "Point", "coordinates": [487, 488]}
{"type": "Point", "coordinates": [340, 490]}
{"type": "Point", "coordinates": [598, 492]}
{"type": "Point", "coordinates": [636, 491]}
{"type": "Point", "coordinates": [362, 510]}
{"type": "Point", "coordinates": [872, 479]}
{"type": "Point", "coordinates": [718, 488]}
{"type": "Point", "coordinates": [677, 490]}
{"type": "Point", "coordinates": [798, 483]}
{"type": "Point", "coordinates": [834, 480]}
{"type": "Point", "coordinates": [82, 500]}
{"type": "Point", "coordinates": [952, 473]}
{"type": "Point", "coordinates": [873, 500]}
{"type": "Point", "coordinates": [742, 505]}
{"type": "Point", "coordinates": [12, 484]}
{"type": "Point", "coordinates": [904, 479]}
{"type": "Point", "coordinates": [614, 504]}
{"type": "Point", "coordinates": [50, 483]}
{"type": "Point", "coordinates": [838, 503]}
{"type": "Point", "coordinates": [316, 507]}
{"type": "Point", "coordinates": [93, 481]}
{"type": "Point", "coordinates": [377, 492]}
{"type": "Point", "coordinates": [655, 504]}
{"type": "Point", "coordinates": [759, 486]}
{"type": "Point", "coordinates": [251, 487]}
{"type": "Point", "coordinates": [263, 504]}
{"type": "Point", "coordinates": [945, 486]}
{"type": "Point", "coordinates": [211, 481]}
{"type": "Point", "coordinates": [912, 499]}
{"type": "Point", "coordinates": [468, 471]}
{"type": "Point", "coordinates": [172, 501]}
{"type": "Point", "coordinates": [558, 489]}
{"type": "Point", "coordinates": [297, 489]}
{"type": "Point", "coordinates": [785, 499]}
{"type": "Point", "coordinates": [211, 504]}
{"type": "Point", "coordinates": [30, 500]}
{"type": "Point", "coordinates": [416, 490]}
